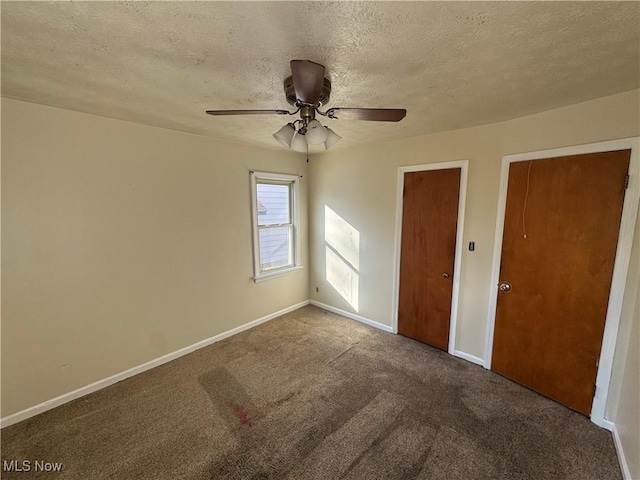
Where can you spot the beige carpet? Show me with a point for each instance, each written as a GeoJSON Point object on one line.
{"type": "Point", "coordinates": [312, 395]}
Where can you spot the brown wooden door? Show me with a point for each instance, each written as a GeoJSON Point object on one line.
{"type": "Point", "coordinates": [549, 326]}
{"type": "Point", "coordinates": [429, 223]}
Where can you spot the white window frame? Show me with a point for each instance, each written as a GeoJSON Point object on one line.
{"type": "Point", "coordinates": [275, 178]}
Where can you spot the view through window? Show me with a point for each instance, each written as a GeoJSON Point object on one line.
{"type": "Point", "coordinates": [275, 198]}
{"type": "Point", "coordinates": [275, 228]}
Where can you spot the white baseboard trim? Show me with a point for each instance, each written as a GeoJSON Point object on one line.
{"type": "Point", "coordinates": [624, 466]}
{"type": "Point", "coordinates": [352, 316]}
{"type": "Point", "coordinates": [606, 424]}
{"type": "Point", "coordinates": [468, 357]}
{"type": "Point", "coordinates": [118, 377]}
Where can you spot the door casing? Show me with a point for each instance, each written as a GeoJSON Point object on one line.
{"type": "Point", "coordinates": [463, 166]}
{"type": "Point", "coordinates": [620, 268]}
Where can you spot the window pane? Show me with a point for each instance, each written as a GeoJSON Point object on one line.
{"type": "Point", "coordinates": [275, 247]}
{"type": "Point", "coordinates": [273, 204]}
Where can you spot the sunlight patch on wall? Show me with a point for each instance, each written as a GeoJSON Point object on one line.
{"type": "Point", "coordinates": [344, 239]}
{"type": "Point", "coordinates": [342, 254]}
{"type": "Point", "coordinates": [342, 277]}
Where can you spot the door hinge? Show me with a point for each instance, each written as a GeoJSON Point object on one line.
{"type": "Point", "coordinates": [595, 390]}
{"type": "Point", "coordinates": [626, 182]}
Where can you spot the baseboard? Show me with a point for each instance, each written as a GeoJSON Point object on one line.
{"type": "Point", "coordinates": [606, 424]}
{"type": "Point", "coordinates": [469, 358]}
{"type": "Point", "coordinates": [118, 377]}
{"type": "Point", "coordinates": [352, 316]}
{"type": "Point", "coordinates": [609, 425]}
{"type": "Point", "coordinates": [624, 466]}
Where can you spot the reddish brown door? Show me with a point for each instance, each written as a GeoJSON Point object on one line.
{"type": "Point", "coordinates": [429, 222]}
{"type": "Point", "coordinates": [549, 326]}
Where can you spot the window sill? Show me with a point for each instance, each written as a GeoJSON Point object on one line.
{"type": "Point", "coordinates": [276, 273]}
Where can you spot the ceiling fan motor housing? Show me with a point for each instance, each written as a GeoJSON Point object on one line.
{"type": "Point", "coordinates": [290, 92]}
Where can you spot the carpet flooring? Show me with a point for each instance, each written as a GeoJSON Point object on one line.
{"type": "Point", "coordinates": [313, 395]}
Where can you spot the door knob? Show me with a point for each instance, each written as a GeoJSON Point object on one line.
{"type": "Point", "coordinates": [505, 287]}
{"type": "Point", "coordinates": [445, 275]}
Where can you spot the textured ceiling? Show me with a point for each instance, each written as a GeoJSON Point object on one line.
{"type": "Point", "coordinates": [451, 64]}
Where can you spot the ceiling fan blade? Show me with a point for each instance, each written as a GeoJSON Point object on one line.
{"type": "Point", "coordinates": [307, 80]}
{"type": "Point", "coordinates": [372, 114]}
{"type": "Point", "coordinates": [247, 112]}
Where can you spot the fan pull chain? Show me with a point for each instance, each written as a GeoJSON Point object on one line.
{"type": "Point", "coordinates": [524, 206]}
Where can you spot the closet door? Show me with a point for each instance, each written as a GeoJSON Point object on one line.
{"type": "Point", "coordinates": [561, 228]}
{"type": "Point", "coordinates": [429, 224]}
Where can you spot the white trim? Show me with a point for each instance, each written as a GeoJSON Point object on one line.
{"type": "Point", "coordinates": [468, 357]}
{"type": "Point", "coordinates": [620, 268]}
{"type": "Point", "coordinates": [463, 165]}
{"type": "Point", "coordinates": [353, 316]}
{"type": "Point", "coordinates": [495, 266]}
{"type": "Point", "coordinates": [607, 424]}
{"type": "Point", "coordinates": [118, 377]}
{"type": "Point", "coordinates": [259, 276]}
{"type": "Point", "coordinates": [622, 460]}
{"type": "Point", "coordinates": [277, 273]}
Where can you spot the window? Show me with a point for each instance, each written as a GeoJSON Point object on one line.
{"type": "Point", "coordinates": [275, 224]}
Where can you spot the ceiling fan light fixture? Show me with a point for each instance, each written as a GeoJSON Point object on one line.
{"type": "Point", "coordinates": [299, 143]}
{"type": "Point", "coordinates": [316, 133]}
{"type": "Point", "coordinates": [307, 89]}
{"type": "Point", "coordinates": [332, 138]}
{"type": "Point", "coordinates": [285, 135]}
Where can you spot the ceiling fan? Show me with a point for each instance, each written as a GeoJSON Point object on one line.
{"type": "Point", "coordinates": [307, 89]}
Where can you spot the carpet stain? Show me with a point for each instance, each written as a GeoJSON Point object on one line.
{"type": "Point", "coordinates": [241, 413]}
{"type": "Point", "coordinates": [229, 398]}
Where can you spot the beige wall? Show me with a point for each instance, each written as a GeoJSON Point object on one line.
{"type": "Point", "coordinates": [359, 185]}
{"type": "Point", "coordinates": [627, 415]}
{"type": "Point", "coordinates": [624, 407]}
{"type": "Point", "coordinates": [122, 243]}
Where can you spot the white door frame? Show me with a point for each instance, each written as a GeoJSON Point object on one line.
{"type": "Point", "coordinates": [620, 267]}
{"type": "Point", "coordinates": [463, 165]}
